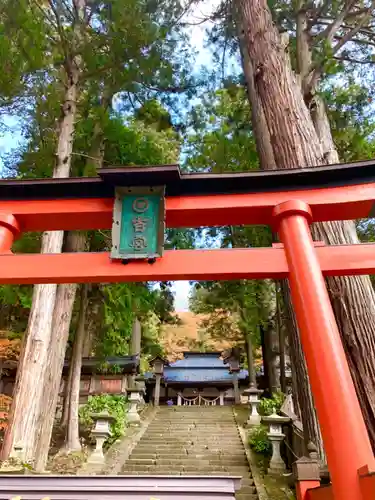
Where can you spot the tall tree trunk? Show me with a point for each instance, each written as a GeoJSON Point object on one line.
{"type": "Point", "coordinates": [266, 372]}
{"type": "Point", "coordinates": [72, 431]}
{"type": "Point", "coordinates": [353, 298]}
{"type": "Point", "coordinates": [302, 395]}
{"type": "Point", "coordinates": [66, 400]}
{"type": "Point", "coordinates": [76, 242]}
{"type": "Point", "coordinates": [135, 347]}
{"type": "Point", "coordinates": [62, 315]}
{"type": "Point", "coordinates": [250, 359]}
{"type": "Point", "coordinates": [28, 394]}
{"type": "Point", "coordinates": [261, 133]}
{"type": "Point", "coordinates": [296, 144]}
{"type": "Point", "coordinates": [281, 334]}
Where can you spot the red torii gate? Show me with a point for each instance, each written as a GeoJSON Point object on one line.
{"type": "Point", "coordinates": [288, 200]}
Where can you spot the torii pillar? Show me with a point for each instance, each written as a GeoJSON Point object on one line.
{"type": "Point", "coordinates": [343, 428]}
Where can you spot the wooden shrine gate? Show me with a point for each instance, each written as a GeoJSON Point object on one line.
{"type": "Point", "coordinates": [132, 202]}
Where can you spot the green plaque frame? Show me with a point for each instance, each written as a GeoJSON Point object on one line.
{"type": "Point", "coordinates": [138, 223]}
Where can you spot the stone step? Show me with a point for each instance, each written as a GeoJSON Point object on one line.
{"type": "Point", "coordinates": [217, 469]}
{"type": "Point", "coordinates": [176, 437]}
{"type": "Point", "coordinates": [182, 445]}
{"type": "Point", "coordinates": [184, 431]}
{"type": "Point", "coordinates": [186, 461]}
{"type": "Point", "coordinates": [195, 417]}
{"type": "Point", "coordinates": [191, 456]}
{"type": "Point", "coordinates": [247, 481]}
{"type": "Point", "coordinates": [193, 441]}
{"type": "Point", "coordinates": [195, 420]}
{"type": "Point", "coordinates": [247, 490]}
{"type": "Point", "coordinates": [193, 451]}
{"type": "Point", "coordinates": [211, 419]}
{"type": "Point", "coordinates": [187, 438]}
{"type": "Point", "coordinates": [246, 496]}
{"type": "Point", "coordinates": [184, 451]}
{"type": "Point", "coordinates": [192, 428]}
{"type": "Point", "coordinates": [167, 472]}
{"type": "Point", "coordinates": [195, 430]}
{"type": "Point", "coordinates": [184, 434]}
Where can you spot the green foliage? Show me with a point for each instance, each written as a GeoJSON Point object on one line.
{"type": "Point", "coordinates": [222, 139]}
{"type": "Point", "coordinates": [351, 114]}
{"type": "Point", "coordinates": [259, 441]}
{"type": "Point", "coordinates": [115, 405]}
{"type": "Point", "coordinates": [268, 405]}
{"type": "Point", "coordinates": [139, 144]}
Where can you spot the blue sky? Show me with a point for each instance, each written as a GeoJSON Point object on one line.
{"type": "Point", "coordinates": [11, 136]}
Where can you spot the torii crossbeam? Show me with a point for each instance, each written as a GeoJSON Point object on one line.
{"type": "Point", "coordinates": [288, 200]}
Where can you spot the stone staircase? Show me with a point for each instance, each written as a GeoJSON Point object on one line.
{"type": "Point", "coordinates": [193, 440]}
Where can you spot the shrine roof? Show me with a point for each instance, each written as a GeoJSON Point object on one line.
{"type": "Point", "coordinates": [125, 364]}
{"type": "Point", "coordinates": [178, 183]}
{"type": "Point", "coordinates": [199, 367]}
{"type": "Point", "coordinates": [201, 375]}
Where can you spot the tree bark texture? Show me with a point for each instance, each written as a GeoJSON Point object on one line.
{"type": "Point", "coordinates": [66, 401]}
{"type": "Point", "coordinates": [302, 395]}
{"type": "Point", "coordinates": [353, 298]}
{"type": "Point", "coordinates": [28, 397]}
{"type": "Point", "coordinates": [72, 431]}
{"type": "Point", "coordinates": [76, 242]}
{"type": "Point", "coordinates": [266, 368]}
{"type": "Point", "coordinates": [297, 144]}
{"type": "Point", "coordinates": [250, 359]}
{"type": "Point", "coordinates": [261, 133]}
{"type": "Point", "coordinates": [62, 315]}
{"type": "Point", "coordinates": [281, 335]}
{"type": "Point", "coordinates": [28, 389]}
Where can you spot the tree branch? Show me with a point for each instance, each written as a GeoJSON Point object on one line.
{"type": "Point", "coordinates": [319, 12]}
{"type": "Point", "coordinates": [353, 60]}
{"type": "Point", "coordinates": [303, 54]}
{"type": "Point", "coordinates": [362, 22]}
{"type": "Point", "coordinates": [329, 33]}
{"type": "Point", "coordinates": [331, 29]}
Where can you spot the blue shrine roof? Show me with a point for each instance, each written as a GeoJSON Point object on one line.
{"type": "Point", "coordinates": [199, 367]}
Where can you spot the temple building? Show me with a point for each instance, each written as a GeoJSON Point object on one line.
{"type": "Point", "coordinates": [199, 378]}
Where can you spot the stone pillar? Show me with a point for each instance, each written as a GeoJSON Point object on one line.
{"type": "Point", "coordinates": [179, 399]}
{"type": "Point", "coordinates": [157, 389]}
{"type": "Point", "coordinates": [124, 384]}
{"type": "Point", "coordinates": [254, 417]}
{"type": "Point", "coordinates": [221, 396]}
{"type": "Point", "coordinates": [133, 416]}
{"type": "Point", "coordinates": [101, 432]}
{"type": "Point", "coordinates": [276, 436]}
{"type": "Point", "coordinates": [141, 385]}
{"type": "Point", "coordinates": [237, 397]}
{"type": "Point", "coordinates": [306, 476]}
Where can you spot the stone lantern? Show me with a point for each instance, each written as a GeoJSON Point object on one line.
{"type": "Point", "coordinates": [134, 399]}
{"type": "Point", "coordinates": [233, 360]}
{"type": "Point", "coordinates": [100, 432]}
{"type": "Point", "coordinates": [157, 364]}
{"type": "Point", "coordinates": [276, 436]}
{"type": "Point", "coordinates": [141, 384]}
{"type": "Point", "coordinates": [253, 397]}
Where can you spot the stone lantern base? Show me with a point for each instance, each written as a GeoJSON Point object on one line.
{"type": "Point", "coordinates": [134, 398]}
{"type": "Point", "coordinates": [253, 395]}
